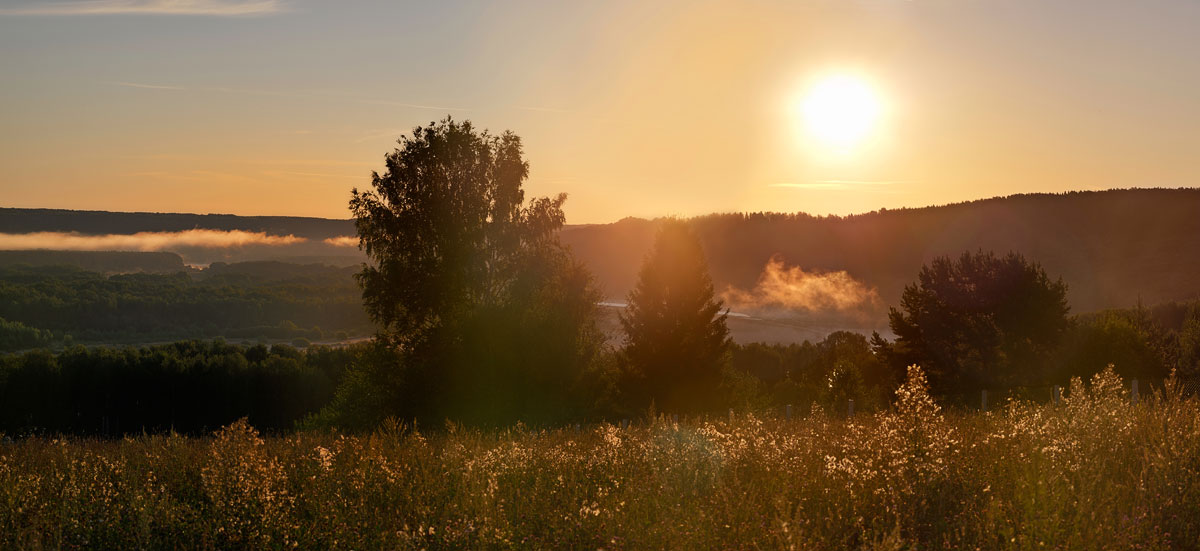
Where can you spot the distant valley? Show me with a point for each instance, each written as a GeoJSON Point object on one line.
{"type": "Point", "coordinates": [793, 276]}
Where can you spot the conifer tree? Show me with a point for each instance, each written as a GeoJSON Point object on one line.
{"type": "Point", "coordinates": [675, 334]}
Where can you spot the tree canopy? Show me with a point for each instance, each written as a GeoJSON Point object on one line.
{"type": "Point", "coordinates": [981, 321]}
{"type": "Point", "coordinates": [492, 319]}
{"type": "Point", "coordinates": [675, 334]}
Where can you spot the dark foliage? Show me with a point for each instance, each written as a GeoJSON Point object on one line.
{"type": "Point", "coordinates": [981, 321]}
{"type": "Point", "coordinates": [491, 320]}
{"type": "Point", "coordinates": [1140, 343]}
{"type": "Point", "coordinates": [230, 302]}
{"type": "Point", "coordinates": [18, 336]}
{"type": "Point", "coordinates": [829, 372]}
{"type": "Point", "coordinates": [191, 387]}
{"type": "Point", "coordinates": [675, 333]}
{"type": "Point", "coordinates": [97, 261]}
{"type": "Point", "coordinates": [1136, 347]}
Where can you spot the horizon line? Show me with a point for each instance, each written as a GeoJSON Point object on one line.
{"type": "Point", "coordinates": [660, 217]}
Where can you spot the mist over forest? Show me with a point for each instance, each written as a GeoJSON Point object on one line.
{"type": "Point", "coordinates": [1113, 249]}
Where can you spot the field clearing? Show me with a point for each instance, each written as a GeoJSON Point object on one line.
{"type": "Point", "coordinates": [1096, 472]}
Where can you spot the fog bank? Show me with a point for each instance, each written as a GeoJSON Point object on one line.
{"type": "Point", "coordinates": [143, 241]}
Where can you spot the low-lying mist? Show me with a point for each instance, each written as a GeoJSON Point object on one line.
{"type": "Point", "coordinates": [782, 292]}
{"type": "Point", "coordinates": [143, 241]}
{"type": "Point", "coordinates": [343, 241]}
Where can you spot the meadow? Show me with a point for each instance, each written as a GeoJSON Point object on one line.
{"type": "Point", "coordinates": [1094, 472]}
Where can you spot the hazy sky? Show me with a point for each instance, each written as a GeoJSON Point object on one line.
{"type": "Point", "coordinates": [639, 108]}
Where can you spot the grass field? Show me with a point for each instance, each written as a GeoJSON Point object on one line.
{"type": "Point", "coordinates": [1093, 473]}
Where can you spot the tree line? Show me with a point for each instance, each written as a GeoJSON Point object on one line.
{"type": "Point", "coordinates": [247, 303]}
{"type": "Point", "coordinates": [191, 387]}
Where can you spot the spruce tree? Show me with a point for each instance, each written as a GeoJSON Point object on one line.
{"type": "Point", "coordinates": [675, 334]}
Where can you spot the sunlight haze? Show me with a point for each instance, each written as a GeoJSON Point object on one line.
{"type": "Point", "coordinates": [632, 108]}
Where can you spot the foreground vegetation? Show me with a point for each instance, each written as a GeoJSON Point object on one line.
{"type": "Point", "coordinates": [190, 387]}
{"type": "Point", "coordinates": [1095, 472]}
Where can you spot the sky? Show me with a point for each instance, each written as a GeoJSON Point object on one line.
{"type": "Point", "coordinates": [280, 107]}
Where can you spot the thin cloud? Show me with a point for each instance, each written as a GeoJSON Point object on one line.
{"type": "Point", "coordinates": [392, 133]}
{"type": "Point", "coordinates": [328, 96]}
{"type": "Point", "coordinates": [412, 105]}
{"type": "Point", "coordinates": [147, 86]}
{"type": "Point", "coordinates": [225, 8]}
{"type": "Point", "coordinates": [266, 162]}
{"type": "Point", "coordinates": [807, 185]}
{"type": "Point", "coordinates": [282, 173]}
{"type": "Point", "coordinates": [543, 109]}
{"type": "Point", "coordinates": [252, 177]}
{"type": "Point", "coordinates": [866, 182]}
{"type": "Point", "coordinates": [859, 185]}
{"type": "Point", "coordinates": [142, 241]}
{"type": "Point", "coordinates": [293, 94]}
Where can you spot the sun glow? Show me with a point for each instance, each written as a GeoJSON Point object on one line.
{"type": "Point", "coordinates": [840, 111]}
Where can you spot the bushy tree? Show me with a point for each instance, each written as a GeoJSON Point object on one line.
{"type": "Point", "coordinates": [188, 386]}
{"type": "Point", "coordinates": [838, 368]}
{"type": "Point", "coordinates": [980, 321]}
{"type": "Point", "coordinates": [1124, 339]}
{"type": "Point", "coordinates": [850, 370]}
{"type": "Point", "coordinates": [1189, 343]}
{"type": "Point", "coordinates": [17, 336]}
{"type": "Point", "coordinates": [492, 320]}
{"type": "Point", "coordinates": [675, 334]}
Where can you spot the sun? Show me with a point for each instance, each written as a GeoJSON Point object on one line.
{"type": "Point", "coordinates": [840, 111]}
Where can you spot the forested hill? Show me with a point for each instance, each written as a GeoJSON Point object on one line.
{"type": "Point", "coordinates": [1111, 247]}
{"type": "Point", "coordinates": [106, 262]}
{"type": "Point", "coordinates": [16, 220]}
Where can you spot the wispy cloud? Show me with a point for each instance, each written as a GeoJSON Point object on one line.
{"type": "Point", "coordinates": [866, 182]}
{"type": "Point", "coordinates": [861, 185]}
{"type": "Point", "coordinates": [147, 86]}
{"type": "Point", "coordinates": [291, 94]}
{"type": "Point", "coordinates": [322, 175]}
{"type": "Point", "coordinates": [265, 162]}
{"type": "Point", "coordinates": [542, 109]}
{"type": "Point", "coordinates": [391, 133]}
{"type": "Point", "coordinates": [411, 105]}
{"type": "Point", "coordinates": [147, 7]}
{"type": "Point", "coordinates": [144, 241]}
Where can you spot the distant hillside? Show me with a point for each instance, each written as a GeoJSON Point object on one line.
{"type": "Point", "coordinates": [313, 248]}
{"type": "Point", "coordinates": [1111, 247]}
{"type": "Point", "coordinates": [97, 261]}
{"type": "Point", "coordinates": [14, 220]}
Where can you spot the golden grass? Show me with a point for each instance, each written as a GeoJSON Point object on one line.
{"type": "Point", "coordinates": [1093, 473]}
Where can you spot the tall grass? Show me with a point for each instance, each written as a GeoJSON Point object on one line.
{"type": "Point", "coordinates": [1093, 473]}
